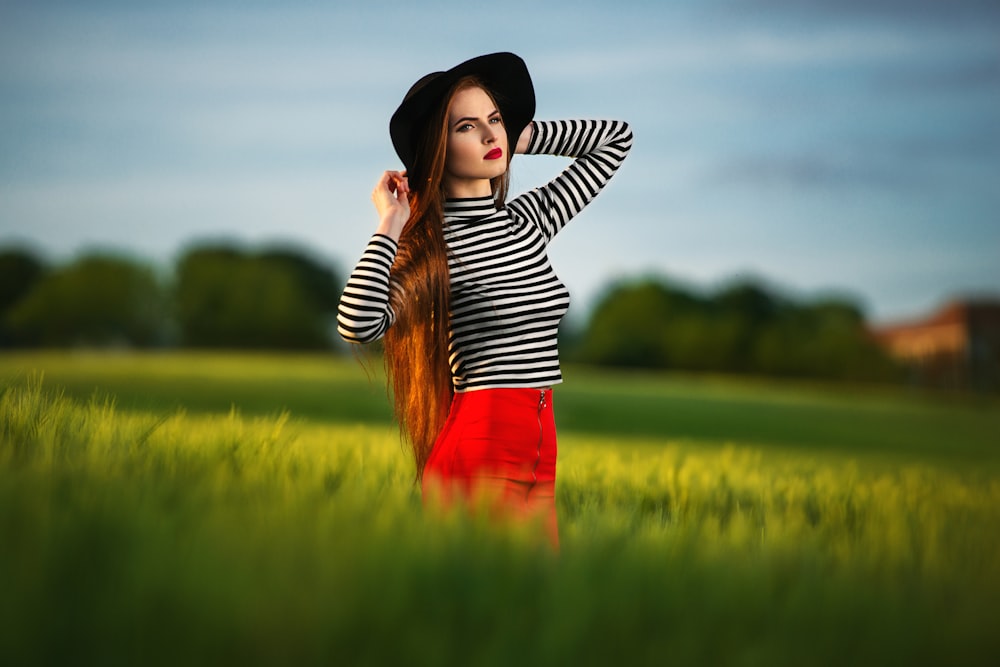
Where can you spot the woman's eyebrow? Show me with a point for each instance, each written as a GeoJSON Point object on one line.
{"type": "Point", "coordinates": [495, 112]}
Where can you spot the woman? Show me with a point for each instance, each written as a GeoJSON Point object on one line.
{"type": "Point", "coordinates": [457, 282]}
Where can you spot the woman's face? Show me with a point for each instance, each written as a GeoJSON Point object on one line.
{"type": "Point", "coordinates": [477, 144]}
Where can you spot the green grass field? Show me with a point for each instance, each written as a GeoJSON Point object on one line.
{"type": "Point", "coordinates": [236, 509]}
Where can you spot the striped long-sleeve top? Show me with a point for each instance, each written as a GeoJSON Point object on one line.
{"type": "Point", "coordinates": [506, 300]}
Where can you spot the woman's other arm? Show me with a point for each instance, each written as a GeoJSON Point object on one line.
{"type": "Point", "coordinates": [525, 139]}
{"type": "Point", "coordinates": [391, 199]}
{"type": "Point", "coordinates": [364, 313]}
{"type": "Point", "coordinates": [599, 148]}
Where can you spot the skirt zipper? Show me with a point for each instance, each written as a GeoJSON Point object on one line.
{"type": "Point", "coordinates": [541, 435]}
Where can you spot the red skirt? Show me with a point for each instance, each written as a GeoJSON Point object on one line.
{"type": "Point", "coordinates": [501, 444]}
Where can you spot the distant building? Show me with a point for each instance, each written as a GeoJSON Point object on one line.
{"type": "Point", "coordinates": [957, 347]}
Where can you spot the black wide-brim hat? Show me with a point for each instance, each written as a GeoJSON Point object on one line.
{"type": "Point", "coordinates": [504, 75]}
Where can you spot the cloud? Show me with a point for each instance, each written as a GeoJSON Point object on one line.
{"type": "Point", "coordinates": [156, 215]}
{"type": "Point", "coordinates": [811, 171]}
{"type": "Point", "coordinates": [189, 49]}
{"type": "Point", "coordinates": [896, 9]}
{"type": "Point", "coordinates": [93, 92]}
{"type": "Point", "coordinates": [727, 48]}
{"type": "Point", "coordinates": [950, 77]}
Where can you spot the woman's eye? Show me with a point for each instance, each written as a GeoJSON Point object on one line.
{"type": "Point", "coordinates": [465, 128]}
{"type": "Point", "coordinates": [495, 120]}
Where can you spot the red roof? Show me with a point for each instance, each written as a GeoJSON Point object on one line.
{"type": "Point", "coordinates": [969, 313]}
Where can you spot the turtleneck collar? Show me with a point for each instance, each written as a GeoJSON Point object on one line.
{"type": "Point", "coordinates": [469, 208]}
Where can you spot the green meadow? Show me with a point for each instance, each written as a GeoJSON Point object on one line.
{"type": "Point", "coordinates": [210, 509]}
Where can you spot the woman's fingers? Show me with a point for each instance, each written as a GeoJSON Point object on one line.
{"type": "Point", "coordinates": [388, 184]}
{"type": "Point", "coordinates": [398, 182]}
{"type": "Point", "coordinates": [392, 203]}
{"type": "Point", "coordinates": [391, 197]}
{"type": "Point", "coordinates": [402, 189]}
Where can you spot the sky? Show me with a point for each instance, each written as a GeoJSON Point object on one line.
{"type": "Point", "coordinates": [845, 148]}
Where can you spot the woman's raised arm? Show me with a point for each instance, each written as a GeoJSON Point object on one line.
{"type": "Point", "coordinates": [525, 139]}
{"type": "Point", "coordinates": [599, 148]}
{"type": "Point", "coordinates": [391, 199]}
{"type": "Point", "coordinates": [364, 313]}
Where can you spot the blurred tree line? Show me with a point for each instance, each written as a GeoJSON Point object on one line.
{"type": "Point", "coordinates": [742, 328]}
{"type": "Point", "coordinates": [221, 296]}
{"type": "Point", "coordinates": [218, 296]}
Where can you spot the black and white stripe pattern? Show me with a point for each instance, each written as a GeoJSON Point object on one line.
{"type": "Point", "coordinates": [506, 301]}
{"type": "Point", "coordinates": [364, 312]}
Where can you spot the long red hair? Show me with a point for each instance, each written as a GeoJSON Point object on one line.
{"type": "Point", "coordinates": [416, 345]}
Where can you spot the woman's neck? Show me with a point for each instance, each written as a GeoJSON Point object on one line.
{"type": "Point", "coordinates": [460, 188]}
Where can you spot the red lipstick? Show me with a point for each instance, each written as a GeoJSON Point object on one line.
{"type": "Point", "coordinates": [494, 154]}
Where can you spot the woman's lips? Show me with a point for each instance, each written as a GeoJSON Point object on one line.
{"type": "Point", "coordinates": [494, 154]}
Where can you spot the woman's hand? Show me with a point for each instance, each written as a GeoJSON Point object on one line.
{"type": "Point", "coordinates": [525, 138]}
{"type": "Point", "coordinates": [391, 198]}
